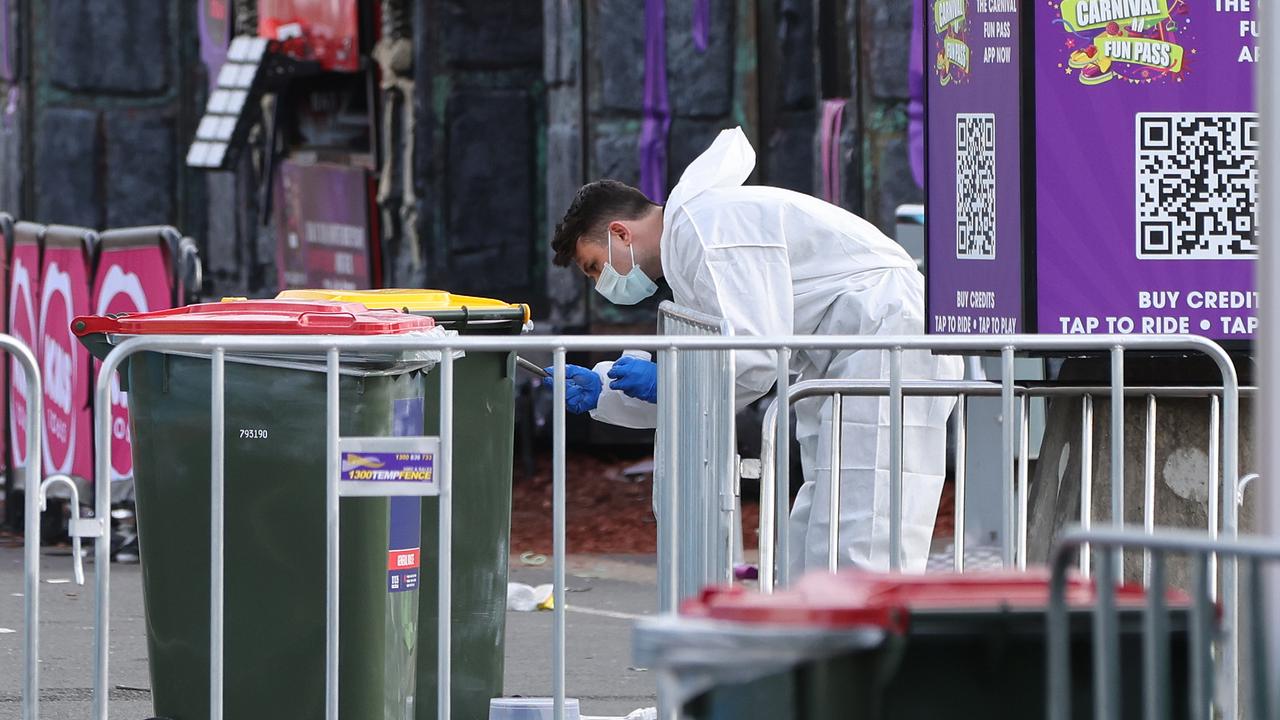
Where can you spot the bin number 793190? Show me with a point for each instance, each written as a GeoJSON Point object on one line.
{"type": "Point", "coordinates": [253, 433]}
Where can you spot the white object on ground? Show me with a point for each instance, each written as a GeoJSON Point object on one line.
{"type": "Point", "coordinates": [525, 598]}
{"type": "Point", "coordinates": [641, 714]}
{"type": "Point", "coordinates": [531, 708]}
{"type": "Point", "coordinates": [520, 597]}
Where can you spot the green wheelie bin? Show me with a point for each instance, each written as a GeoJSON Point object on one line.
{"type": "Point", "coordinates": [909, 647]}
{"type": "Point", "coordinates": [274, 556]}
{"type": "Point", "coordinates": [484, 421]}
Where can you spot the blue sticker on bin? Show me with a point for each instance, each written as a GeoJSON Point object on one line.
{"type": "Point", "coordinates": [404, 552]}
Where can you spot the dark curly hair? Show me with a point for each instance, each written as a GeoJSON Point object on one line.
{"type": "Point", "coordinates": [595, 205]}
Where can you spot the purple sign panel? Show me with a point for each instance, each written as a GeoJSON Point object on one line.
{"type": "Point", "coordinates": [974, 186]}
{"type": "Point", "coordinates": [214, 21]}
{"type": "Point", "coordinates": [322, 225]}
{"type": "Point", "coordinates": [1146, 167]}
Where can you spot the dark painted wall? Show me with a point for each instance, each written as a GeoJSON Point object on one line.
{"type": "Point", "coordinates": [479, 145]}
{"type": "Point", "coordinates": [108, 98]}
{"type": "Point", "coordinates": [769, 66]}
{"type": "Point", "coordinates": [514, 104]}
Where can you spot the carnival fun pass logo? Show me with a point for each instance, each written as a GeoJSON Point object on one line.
{"type": "Point", "coordinates": [952, 60]}
{"type": "Point", "coordinates": [1131, 41]}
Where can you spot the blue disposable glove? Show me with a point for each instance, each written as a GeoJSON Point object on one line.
{"type": "Point", "coordinates": [581, 388]}
{"type": "Point", "coordinates": [635, 377]}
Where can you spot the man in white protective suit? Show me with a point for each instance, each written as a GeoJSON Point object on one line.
{"type": "Point", "coordinates": [774, 262]}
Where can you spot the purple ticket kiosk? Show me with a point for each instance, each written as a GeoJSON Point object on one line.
{"type": "Point", "coordinates": [1091, 167]}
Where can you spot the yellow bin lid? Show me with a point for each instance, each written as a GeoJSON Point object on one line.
{"type": "Point", "coordinates": [423, 301]}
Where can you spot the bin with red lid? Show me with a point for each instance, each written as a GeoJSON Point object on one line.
{"type": "Point", "coordinates": [275, 511]}
{"type": "Point", "coordinates": [872, 645]}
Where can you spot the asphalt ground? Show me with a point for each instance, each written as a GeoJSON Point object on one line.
{"type": "Point", "coordinates": [605, 595]}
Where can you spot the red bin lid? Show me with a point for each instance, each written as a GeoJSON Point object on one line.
{"type": "Point", "coordinates": [256, 317]}
{"type": "Point", "coordinates": [855, 598]}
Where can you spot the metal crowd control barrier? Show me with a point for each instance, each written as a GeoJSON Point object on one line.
{"type": "Point", "coordinates": [35, 494]}
{"type": "Point", "coordinates": [699, 450]}
{"type": "Point", "coordinates": [31, 528]}
{"type": "Point", "coordinates": [669, 390]}
{"type": "Point", "coordinates": [335, 489]}
{"type": "Point", "coordinates": [1213, 395]}
{"type": "Point", "coordinates": [772, 562]}
{"type": "Point", "coordinates": [1223, 440]}
{"type": "Point", "coordinates": [774, 498]}
{"type": "Point", "coordinates": [1157, 685]}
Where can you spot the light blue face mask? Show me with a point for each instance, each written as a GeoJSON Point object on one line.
{"type": "Point", "coordinates": [626, 289]}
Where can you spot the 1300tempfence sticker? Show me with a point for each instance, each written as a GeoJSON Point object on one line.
{"type": "Point", "coordinates": [1197, 186]}
{"type": "Point", "coordinates": [388, 466]}
{"type": "Point", "coordinates": [402, 461]}
{"type": "Point", "coordinates": [975, 186]}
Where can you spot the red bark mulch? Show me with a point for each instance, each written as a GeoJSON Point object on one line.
{"type": "Point", "coordinates": [609, 514]}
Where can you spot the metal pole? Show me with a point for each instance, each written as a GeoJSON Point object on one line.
{"type": "Point", "coordinates": [217, 525]}
{"type": "Point", "coordinates": [1106, 665]}
{"type": "Point", "coordinates": [101, 546]}
{"type": "Point", "coordinates": [31, 526]}
{"type": "Point", "coordinates": [895, 459]}
{"type": "Point", "coordinates": [1260, 680]}
{"type": "Point", "coordinates": [1086, 477]}
{"type": "Point", "coordinates": [1006, 466]}
{"type": "Point", "coordinates": [1230, 526]}
{"type": "Point", "coordinates": [962, 460]}
{"type": "Point", "coordinates": [444, 647]}
{"type": "Point", "coordinates": [768, 497]}
{"type": "Point", "coordinates": [1149, 486]}
{"type": "Point", "coordinates": [1024, 450]}
{"type": "Point", "coordinates": [724, 385]}
{"type": "Point", "coordinates": [1155, 644]}
{"type": "Point", "coordinates": [782, 469]}
{"type": "Point", "coordinates": [333, 470]}
{"type": "Point", "coordinates": [1201, 642]}
{"type": "Point", "coordinates": [1058, 667]}
{"type": "Point", "coordinates": [1215, 480]}
{"type": "Point", "coordinates": [31, 553]}
{"type": "Point", "coordinates": [833, 487]}
{"type": "Point", "coordinates": [1117, 455]}
{"type": "Point", "coordinates": [557, 537]}
{"type": "Point", "coordinates": [670, 489]}
{"type": "Point", "coordinates": [1268, 336]}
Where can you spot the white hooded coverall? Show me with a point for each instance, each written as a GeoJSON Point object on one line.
{"type": "Point", "coordinates": [775, 262]}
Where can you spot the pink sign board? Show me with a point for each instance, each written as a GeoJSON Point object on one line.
{"type": "Point", "coordinates": [4, 313]}
{"type": "Point", "coordinates": [64, 362]}
{"type": "Point", "coordinates": [132, 277]}
{"type": "Point", "coordinates": [24, 290]}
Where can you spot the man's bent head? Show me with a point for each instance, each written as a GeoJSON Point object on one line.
{"type": "Point", "coordinates": [604, 212]}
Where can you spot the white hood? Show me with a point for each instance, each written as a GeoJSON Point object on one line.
{"type": "Point", "coordinates": [727, 163]}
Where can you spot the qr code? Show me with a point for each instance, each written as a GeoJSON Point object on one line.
{"type": "Point", "coordinates": [975, 186]}
{"type": "Point", "coordinates": [1197, 178]}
